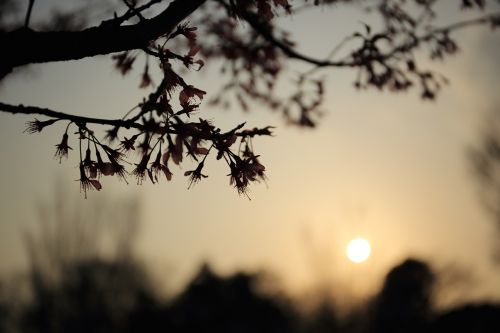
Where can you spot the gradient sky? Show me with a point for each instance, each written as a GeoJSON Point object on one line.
{"type": "Point", "coordinates": [387, 167]}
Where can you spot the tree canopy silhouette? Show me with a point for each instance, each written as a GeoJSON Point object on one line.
{"type": "Point", "coordinates": [245, 38]}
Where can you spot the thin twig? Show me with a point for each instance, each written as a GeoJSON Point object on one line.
{"type": "Point", "coordinates": [28, 13]}
{"type": "Point", "coordinates": [134, 10]}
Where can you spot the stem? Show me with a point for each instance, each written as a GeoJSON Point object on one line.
{"type": "Point", "coordinates": [28, 13]}
{"type": "Point", "coordinates": [67, 127]}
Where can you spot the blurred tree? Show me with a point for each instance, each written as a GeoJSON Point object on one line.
{"type": "Point", "coordinates": [216, 304]}
{"type": "Point", "coordinates": [254, 50]}
{"type": "Point", "coordinates": [82, 281]}
{"type": "Point", "coordinates": [468, 319]}
{"type": "Point", "coordinates": [6, 312]}
{"type": "Point", "coordinates": [83, 274]}
{"type": "Point", "coordinates": [403, 304]}
{"type": "Point", "coordinates": [486, 161]}
{"type": "Point", "coordinates": [111, 295]}
{"type": "Point", "coordinates": [324, 320]}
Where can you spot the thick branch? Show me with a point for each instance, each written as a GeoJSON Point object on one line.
{"type": "Point", "coordinates": [22, 109]}
{"type": "Point", "coordinates": [25, 46]}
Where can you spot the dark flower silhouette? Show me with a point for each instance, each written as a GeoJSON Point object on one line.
{"type": "Point", "coordinates": [112, 134]}
{"type": "Point", "coordinates": [174, 150]}
{"type": "Point", "coordinates": [195, 175]}
{"type": "Point", "coordinates": [124, 62]}
{"type": "Point", "coordinates": [141, 168]}
{"type": "Point", "coordinates": [88, 163]}
{"type": "Point", "coordinates": [62, 148]}
{"type": "Point", "coordinates": [157, 166]}
{"type": "Point", "coordinates": [146, 80]}
{"type": "Point", "coordinates": [187, 31]}
{"type": "Point", "coordinates": [244, 171]}
{"type": "Point", "coordinates": [118, 169]}
{"type": "Point", "coordinates": [104, 168]}
{"type": "Point", "coordinates": [189, 92]}
{"type": "Point", "coordinates": [128, 144]}
{"type": "Point", "coordinates": [36, 126]}
{"type": "Point", "coordinates": [86, 183]}
{"type": "Point", "coordinates": [171, 80]}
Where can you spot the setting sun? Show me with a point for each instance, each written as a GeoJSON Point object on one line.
{"type": "Point", "coordinates": [358, 250]}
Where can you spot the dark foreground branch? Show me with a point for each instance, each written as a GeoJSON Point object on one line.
{"type": "Point", "coordinates": [25, 46]}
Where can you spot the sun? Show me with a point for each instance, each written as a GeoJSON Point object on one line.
{"type": "Point", "coordinates": [358, 250]}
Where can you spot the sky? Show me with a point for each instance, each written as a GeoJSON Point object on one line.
{"type": "Point", "coordinates": [388, 167]}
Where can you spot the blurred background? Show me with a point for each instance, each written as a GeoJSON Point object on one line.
{"type": "Point", "coordinates": [415, 178]}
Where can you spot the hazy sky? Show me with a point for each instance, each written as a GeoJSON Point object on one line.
{"type": "Point", "coordinates": [388, 167]}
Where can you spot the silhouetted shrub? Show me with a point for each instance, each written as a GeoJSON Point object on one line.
{"type": "Point", "coordinates": [214, 304]}
{"type": "Point", "coordinates": [480, 318]}
{"type": "Point", "coordinates": [403, 304]}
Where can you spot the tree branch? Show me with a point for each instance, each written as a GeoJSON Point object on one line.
{"type": "Point", "coordinates": [256, 23]}
{"type": "Point", "coordinates": [405, 47]}
{"type": "Point", "coordinates": [25, 46]}
{"type": "Point", "coordinates": [22, 109]}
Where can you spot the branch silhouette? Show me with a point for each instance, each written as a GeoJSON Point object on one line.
{"type": "Point", "coordinates": [254, 60]}
{"type": "Point", "coordinates": [25, 46]}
